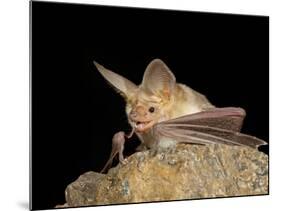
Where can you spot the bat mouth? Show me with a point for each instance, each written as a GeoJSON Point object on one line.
{"type": "Point", "coordinates": [142, 126]}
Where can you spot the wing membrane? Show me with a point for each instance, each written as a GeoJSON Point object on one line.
{"type": "Point", "coordinates": [229, 118]}
{"type": "Point", "coordinates": [218, 125]}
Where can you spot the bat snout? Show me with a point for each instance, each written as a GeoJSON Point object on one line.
{"type": "Point", "coordinates": [140, 123]}
{"type": "Point", "coordinates": [139, 114]}
{"type": "Point", "coordinates": [142, 126]}
{"type": "Point", "coordinates": [141, 119]}
{"type": "Point", "coordinates": [141, 111]}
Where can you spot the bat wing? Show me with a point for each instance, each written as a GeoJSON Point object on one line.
{"type": "Point", "coordinates": [216, 125]}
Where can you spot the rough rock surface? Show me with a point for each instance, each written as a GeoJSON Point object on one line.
{"type": "Point", "coordinates": [189, 172]}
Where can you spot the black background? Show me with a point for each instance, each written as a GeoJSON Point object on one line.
{"type": "Point", "coordinates": [75, 112]}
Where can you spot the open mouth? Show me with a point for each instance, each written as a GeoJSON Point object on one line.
{"type": "Point", "coordinates": [142, 126]}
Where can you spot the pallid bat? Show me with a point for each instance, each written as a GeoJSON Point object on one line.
{"type": "Point", "coordinates": [163, 112]}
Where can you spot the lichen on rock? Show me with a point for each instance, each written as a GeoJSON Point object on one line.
{"type": "Point", "coordinates": [188, 172]}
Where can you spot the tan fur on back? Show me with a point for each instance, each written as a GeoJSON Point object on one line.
{"type": "Point", "coordinates": [188, 101]}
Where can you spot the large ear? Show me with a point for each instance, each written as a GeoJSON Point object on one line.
{"type": "Point", "coordinates": [125, 87]}
{"type": "Point", "coordinates": [158, 79]}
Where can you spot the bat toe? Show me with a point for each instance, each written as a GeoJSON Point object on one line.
{"type": "Point", "coordinates": [124, 162]}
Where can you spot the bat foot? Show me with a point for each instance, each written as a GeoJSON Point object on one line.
{"type": "Point", "coordinates": [124, 161]}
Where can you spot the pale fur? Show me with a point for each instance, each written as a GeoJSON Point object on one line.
{"type": "Point", "coordinates": [184, 101]}
{"type": "Point", "coordinates": [170, 99]}
{"type": "Point", "coordinates": [188, 101]}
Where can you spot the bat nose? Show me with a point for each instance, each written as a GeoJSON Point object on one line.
{"type": "Point", "coordinates": [140, 110]}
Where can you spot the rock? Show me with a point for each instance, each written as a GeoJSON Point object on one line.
{"type": "Point", "coordinates": [189, 172]}
{"type": "Point", "coordinates": [83, 190]}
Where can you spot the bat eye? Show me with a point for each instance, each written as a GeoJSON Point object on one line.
{"type": "Point", "coordinates": [151, 109]}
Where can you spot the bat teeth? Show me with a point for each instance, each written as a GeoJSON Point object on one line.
{"type": "Point", "coordinates": [139, 125]}
{"type": "Point", "coordinates": [135, 125]}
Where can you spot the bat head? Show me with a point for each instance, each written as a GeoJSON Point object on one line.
{"type": "Point", "coordinates": [149, 102]}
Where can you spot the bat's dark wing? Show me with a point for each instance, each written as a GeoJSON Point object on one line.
{"type": "Point", "coordinates": [216, 125]}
